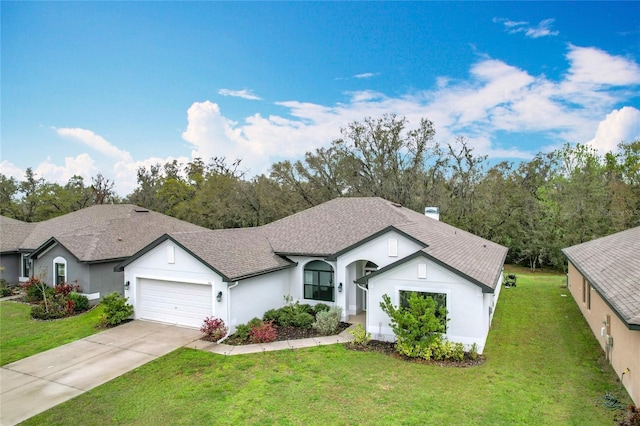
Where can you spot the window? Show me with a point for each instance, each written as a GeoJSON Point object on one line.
{"type": "Point", "coordinates": [59, 270]}
{"type": "Point", "coordinates": [440, 299]}
{"type": "Point", "coordinates": [25, 265]}
{"type": "Point", "coordinates": [318, 281]}
{"type": "Point", "coordinates": [584, 290]}
{"type": "Point", "coordinates": [588, 295]}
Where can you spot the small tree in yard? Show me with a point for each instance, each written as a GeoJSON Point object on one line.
{"type": "Point", "coordinates": [418, 327]}
{"type": "Point", "coordinates": [214, 328]}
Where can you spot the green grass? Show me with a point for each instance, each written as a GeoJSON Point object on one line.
{"type": "Point", "coordinates": [543, 367]}
{"type": "Point", "coordinates": [21, 336]}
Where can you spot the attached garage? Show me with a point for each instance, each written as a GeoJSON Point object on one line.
{"type": "Point", "coordinates": [174, 302]}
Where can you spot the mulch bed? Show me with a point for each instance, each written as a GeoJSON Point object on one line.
{"type": "Point", "coordinates": [389, 349]}
{"type": "Point", "coordinates": [285, 333]}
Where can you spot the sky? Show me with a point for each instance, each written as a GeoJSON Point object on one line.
{"type": "Point", "coordinates": [108, 87]}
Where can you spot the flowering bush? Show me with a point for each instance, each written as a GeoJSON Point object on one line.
{"type": "Point", "coordinates": [263, 333]}
{"type": "Point", "coordinates": [65, 289]}
{"type": "Point", "coordinates": [214, 328]}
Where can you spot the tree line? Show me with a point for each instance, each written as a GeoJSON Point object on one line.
{"type": "Point", "coordinates": [535, 207]}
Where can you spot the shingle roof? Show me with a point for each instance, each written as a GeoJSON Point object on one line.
{"type": "Point", "coordinates": [13, 233]}
{"type": "Point", "coordinates": [235, 253]}
{"type": "Point", "coordinates": [104, 232]}
{"type": "Point", "coordinates": [342, 222]}
{"type": "Point", "coordinates": [612, 265]}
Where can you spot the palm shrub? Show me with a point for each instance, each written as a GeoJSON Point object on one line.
{"type": "Point", "coordinates": [417, 327]}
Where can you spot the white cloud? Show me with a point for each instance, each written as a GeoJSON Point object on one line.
{"type": "Point", "coordinates": [125, 173]}
{"type": "Point", "coordinates": [595, 67]}
{"type": "Point", "coordinates": [81, 165]}
{"type": "Point", "coordinates": [621, 125]}
{"type": "Point", "coordinates": [94, 141]}
{"type": "Point", "coordinates": [543, 29]}
{"type": "Point", "coordinates": [365, 75]}
{"type": "Point", "coordinates": [244, 94]}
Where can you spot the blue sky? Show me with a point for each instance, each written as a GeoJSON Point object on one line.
{"type": "Point", "coordinates": [107, 87]}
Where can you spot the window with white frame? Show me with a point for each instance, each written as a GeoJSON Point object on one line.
{"type": "Point", "coordinates": [25, 267]}
{"type": "Point", "coordinates": [59, 270]}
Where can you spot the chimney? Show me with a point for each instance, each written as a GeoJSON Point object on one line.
{"type": "Point", "coordinates": [432, 212]}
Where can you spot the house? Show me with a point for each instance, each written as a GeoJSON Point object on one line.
{"type": "Point", "coordinates": [83, 246]}
{"type": "Point", "coordinates": [346, 252]}
{"type": "Point", "coordinates": [14, 260]}
{"type": "Point", "coordinates": [604, 280]}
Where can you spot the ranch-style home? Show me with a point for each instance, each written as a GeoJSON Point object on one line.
{"type": "Point", "coordinates": [604, 280]}
{"type": "Point", "coordinates": [82, 246]}
{"type": "Point", "coordinates": [346, 252]}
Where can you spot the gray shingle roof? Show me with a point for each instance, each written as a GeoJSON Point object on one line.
{"type": "Point", "coordinates": [612, 265]}
{"type": "Point", "coordinates": [103, 232]}
{"type": "Point", "coordinates": [13, 233]}
{"type": "Point", "coordinates": [342, 222]}
{"type": "Point", "coordinates": [235, 253]}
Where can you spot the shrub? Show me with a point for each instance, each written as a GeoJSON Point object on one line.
{"type": "Point", "coordinates": [81, 302]}
{"type": "Point", "coordinates": [360, 336]}
{"type": "Point", "coordinates": [327, 321]}
{"type": "Point", "coordinates": [33, 289]}
{"type": "Point", "coordinates": [55, 309]}
{"type": "Point", "coordinates": [417, 327]}
{"type": "Point", "coordinates": [321, 307]}
{"type": "Point", "coordinates": [305, 307]}
{"type": "Point", "coordinates": [243, 330]}
{"type": "Point", "coordinates": [272, 315]}
{"type": "Point", "coordinates": [65, 289]}
{"type": "Point", "coordinates": [302, 320]}
{"type": "Point", "coordinates": [4, 288]}
{"type": "Point", "coordinates": [473, 352]}
{"type": "Point", "coordinates": [214, 328]}
{"type": "Point", "coordinates": [116, 309]}
{"type": "Point", "coordinates": [263, 333]}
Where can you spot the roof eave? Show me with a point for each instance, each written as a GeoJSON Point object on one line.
{"type": "Point", "coordinates": [259, 273]}
{"type": "Point", "coordinates": [372, 237]}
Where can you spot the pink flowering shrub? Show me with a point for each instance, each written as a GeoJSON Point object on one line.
{"type": "Point", "coordinates": [263, 333]}
{"type": "Point", "coordinates": [214, 328]}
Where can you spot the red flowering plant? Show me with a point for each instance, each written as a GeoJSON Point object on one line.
{"type": "Point", "coordinates": [263, 333]}
{"type": "Point", "coordinates": [214, 329]}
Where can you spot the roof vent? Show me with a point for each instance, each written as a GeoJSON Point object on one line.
{"type": "Point", "coordinates": [396, 204]}
{"type": "Point", "coordinates": [432, 212]}
{"type": "Point", "coordinates": [141, 210]}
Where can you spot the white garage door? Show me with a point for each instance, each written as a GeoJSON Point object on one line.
{"type": "Point", "coordinates": [174, 302]}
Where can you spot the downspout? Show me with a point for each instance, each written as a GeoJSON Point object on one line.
{"type": "Point", "coordinates": [228, 309]}
{"type": "Point", "coordinates": [366, 294]}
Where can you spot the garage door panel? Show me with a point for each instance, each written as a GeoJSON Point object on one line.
{"type": "Point", "coordinates": [174, 302]}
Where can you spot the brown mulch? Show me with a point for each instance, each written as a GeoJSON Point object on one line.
{"type": "Point", "coordinates": [285, 333]}
{"type": "Point", "coordinates": [389, 349]}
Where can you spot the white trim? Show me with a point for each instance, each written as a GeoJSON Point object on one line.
{"type": "Point", "coordinates": [91, 296]}
{"type": "Point", "coordinates": [59, 260]}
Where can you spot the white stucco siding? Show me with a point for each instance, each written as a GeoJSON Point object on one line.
{"type": "Point", "coordinates": [466, 304]}
{"type": "Point", "coordinates": [169, 263]}
{"type": "Point", "coordinates": [254, 296]}
{"type": "Point", "coordinates": [379, 251]}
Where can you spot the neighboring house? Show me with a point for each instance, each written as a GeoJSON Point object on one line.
{"type": "Point", "coordinates": [82, 247]}
{"type": "Point", "coordinates": [14, 260]}
{"type": "Point", "coordinates": [604, 280]}
{"type": "Point", "coordinates": [346, 252]}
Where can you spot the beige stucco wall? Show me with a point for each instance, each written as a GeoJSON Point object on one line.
{"type": "Point", "coordinates": [625, 352]}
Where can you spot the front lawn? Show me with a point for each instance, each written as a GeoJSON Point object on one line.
{"type": "Point", "coordinates": [543, 366]}
{"type": "Point", "coordinates": [21, 336]}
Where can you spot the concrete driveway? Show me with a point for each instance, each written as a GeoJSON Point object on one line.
{"type": "Point", "coordinates": [35, 384]}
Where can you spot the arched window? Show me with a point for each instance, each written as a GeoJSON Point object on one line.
{"type": "Point", "coordinates": [59, 270]}
{"type": "Point", "coordinates": [318, 281]}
